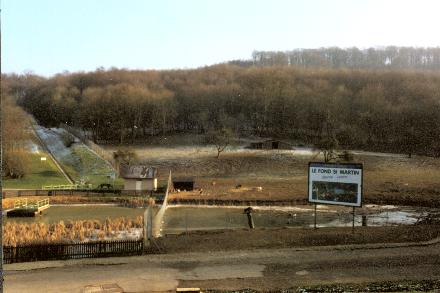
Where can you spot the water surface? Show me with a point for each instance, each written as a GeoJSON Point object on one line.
{"type": "Point", "coordinates": [55, 214]}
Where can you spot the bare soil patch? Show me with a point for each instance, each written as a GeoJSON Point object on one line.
{"type": "Point", "coordinates": [281, 175]}
{"type": "Point", "coordinates": [224, 240]}
{"type": "Point", "coordinates": [266, 176]}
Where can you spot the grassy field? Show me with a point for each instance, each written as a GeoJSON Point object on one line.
{"type": "Point", "coordinates": [86, 165]}
{"type": "Point", "coordinates": [39, 173]}
{"type": "Point", "coordinates": [282, 174]}
{"type": "Point", "coordinates": [78, 161]}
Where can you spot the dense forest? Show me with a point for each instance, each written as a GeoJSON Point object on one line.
{"type": "Point", "coordinates": [382, 110]}
{"type": "Point", "coordinates": [372, 58]}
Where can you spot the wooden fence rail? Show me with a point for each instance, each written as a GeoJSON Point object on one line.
{"type": "Point", "coordinates": [62, 251]}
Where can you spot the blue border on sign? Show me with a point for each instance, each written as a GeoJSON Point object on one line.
{"type": "Point", "coordinates": [336, 165]}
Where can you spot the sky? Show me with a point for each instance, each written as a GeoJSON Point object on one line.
{"type": "Point", "coordinates": [52, 36]}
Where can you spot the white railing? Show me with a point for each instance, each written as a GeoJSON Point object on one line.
{"type": "Point", "coordinates": [67, 186]}
{"type": "Point", "coordinates": [30, 204]}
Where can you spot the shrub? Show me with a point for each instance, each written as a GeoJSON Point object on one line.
{"type": "Point", "coordinates": [68, 139]}
{"type": "Point", "coordinates": [346, 156]}
{"type": "Point", "coordinates": [15, 164]}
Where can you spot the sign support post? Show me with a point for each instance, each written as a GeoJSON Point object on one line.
{"type": "Point", "coordinates": [352, 228]}
{"type": "Point", "coordinates": [315, 215]}
{"type": "Point", "coordinates": [335, 184]}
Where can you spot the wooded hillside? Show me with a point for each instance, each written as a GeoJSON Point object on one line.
{"type": "Point", "coordinates": [384, 110]}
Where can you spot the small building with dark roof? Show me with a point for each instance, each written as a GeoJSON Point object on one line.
{"type": "Point", "coordinates": [183, 183]}
{"type": "Point", "coordinates": [138, 177]}
{"type": "Point", "coordinates": [270, 144]}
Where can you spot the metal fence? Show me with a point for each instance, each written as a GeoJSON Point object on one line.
{"type": "Point", "coordinates": [233, 202]}
{"type": "Point", "coordinates": [158, 195]}
{"type": "Point", "coordinates": [67, 186]}
{"type": "Point", "coordinates": [63, 251]}
{"type": "Point", "coordinates": [78, 192]}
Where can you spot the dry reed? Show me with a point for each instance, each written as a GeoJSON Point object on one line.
{"type": "Point", "coordinates": [23, 233]}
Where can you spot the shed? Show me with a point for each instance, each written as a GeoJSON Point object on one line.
{"type": "Point", "coordinates": [138, 177]}
{"type": "Point", "coordinates": [271, 144]}
{"type": "Point", "coordinates": [256, 145]}
{"type": "Point", "coordinates": [183, 183]}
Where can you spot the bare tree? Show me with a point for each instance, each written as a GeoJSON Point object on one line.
{"type": "Point", "coordinates": [328, 144]}
{"type": "Point", "coordinates": [221, 139]}
{"type": "Point", "coordinates": [124, 156]}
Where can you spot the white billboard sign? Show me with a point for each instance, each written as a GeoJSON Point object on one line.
{"type": "Point", "coordinates": [334, 183]}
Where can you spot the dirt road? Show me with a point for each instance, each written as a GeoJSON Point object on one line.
{"type": "Point", "coordinates": [257, 269]}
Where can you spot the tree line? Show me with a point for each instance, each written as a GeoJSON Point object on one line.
{"type": "Point", "coordinates": [391, 57]}
{"type": "Point", "coordinates": [16, 136]}
{"type": "Point", "coordinates": [380, 110]}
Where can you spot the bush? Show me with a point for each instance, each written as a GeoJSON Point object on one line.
{"type": "Point", "coordinates": [68, 139]}
{"type": "Point", "coordinates": [346, 156]}
{"type": "Point", "coordinates": [15, 164]}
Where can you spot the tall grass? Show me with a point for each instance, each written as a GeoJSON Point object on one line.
{"type": "Point", "coordinates": [68, 232]}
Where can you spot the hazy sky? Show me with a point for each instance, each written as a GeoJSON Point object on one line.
{"type": "Point", "coordinates": [51, 36]}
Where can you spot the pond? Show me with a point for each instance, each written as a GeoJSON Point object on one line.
{"type": "Point", "coordinates": [65, 213]}
{"type": "Point", "coordinates": [183, 218]}
{"type": "Point", "coordinates": [187, 218]}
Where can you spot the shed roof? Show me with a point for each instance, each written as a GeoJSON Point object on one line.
{"type": "Point", "coordinates": [260, 142]}
{"type": "Point", "coordinates": [183, 179]}
{"type": "Point", "coordinates": [137, 172]}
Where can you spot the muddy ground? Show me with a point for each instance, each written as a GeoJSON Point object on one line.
{"type": "Point", "coordinates": [224, 240]}
{"type": "Point", "coordinates": [281, 175]}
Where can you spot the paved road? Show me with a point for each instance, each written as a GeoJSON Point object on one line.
{"type": "Point", "coordinates": [258, 269]}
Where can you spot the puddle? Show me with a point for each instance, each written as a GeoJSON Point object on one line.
{"type": "Point", "coordinates": [395, 218]}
